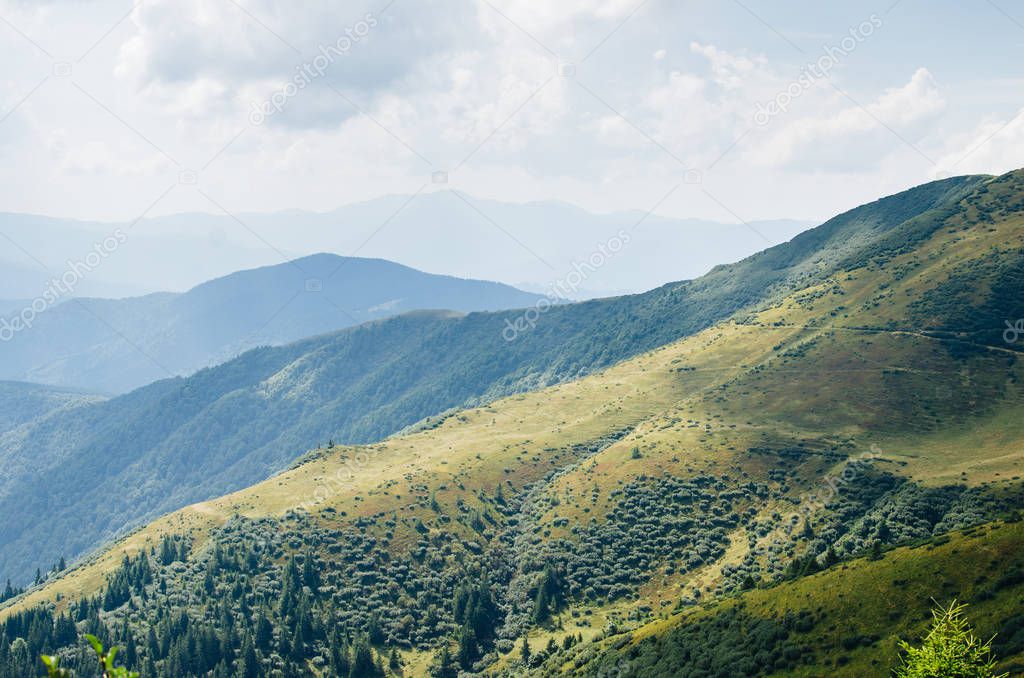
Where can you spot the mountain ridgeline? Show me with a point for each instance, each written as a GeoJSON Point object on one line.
{"type": "Point", "coordinates": [629, 487]}
{"type": "Point", "coordinates": [22, 403]}
{"type": "Point", "coordinates": [116, 345]}
{"type": "Point", "coordinates": [232, 425]}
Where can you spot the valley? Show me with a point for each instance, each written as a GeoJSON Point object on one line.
{"type": "Point", "coordinates": [828, 431]}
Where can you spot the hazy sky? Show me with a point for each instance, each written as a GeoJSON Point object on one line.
{"type": "Point", "coordinates": [110, 112]}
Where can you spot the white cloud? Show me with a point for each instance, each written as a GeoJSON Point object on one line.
{"type": "Point", "coordinates": [729, 70]}
{"type": "Point", "coordinates": [215, 48]}
{"type": "Point", "coordinates": [825, 129]}
{"type": "Point", "coordinates": [443, 76]}
{"type": "Point", "coordinates": [995, 146]}
{"type": "Point", "coordinates": [549, 17]}
{"type": "Point", "coordinates": [918, 100]}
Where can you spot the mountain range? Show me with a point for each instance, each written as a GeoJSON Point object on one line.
{"type": "Point", "coordinates": [768, 470]}
{"type": "Point", "coordinates": [531, 246]}
{"type": "Point", "coordinates": [116, 345]}
{"type": "Point", "coordinates": [224, 428]}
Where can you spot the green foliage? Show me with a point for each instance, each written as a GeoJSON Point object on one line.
{"type": "Point", "coordinates": [949, 650]}
{"type": "Point", "coordinates": [730, 644]}
{"type": "Point", "coordinates": [444, 666]}
{"type": "Point", "coordinates": [9, 592]}
{"type": "Point", "coordinates": [106, 660]}
{"type": "Point", "coordinates": [21, 403]}
{"type": "Point", "coordinates": [106, 663]}
{"type": "Point", "coordinates": [53, 669]}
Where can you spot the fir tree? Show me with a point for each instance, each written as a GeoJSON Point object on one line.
{"type": "Point", "coordinates": [468, 652]}
{"type": "Point", "coordinates": [363, 665]}
{"type": "Point", "coordinates": [949, 649]}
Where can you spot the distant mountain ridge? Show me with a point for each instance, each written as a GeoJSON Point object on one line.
{"type": "Point", "coordinates": [531, 244]}
{"type": "Point", "coordinates": [116, 345]}
{"type": "Point", "coordinates": [226, 427]}
{"type": "Point", "coordinates": [21, 403]}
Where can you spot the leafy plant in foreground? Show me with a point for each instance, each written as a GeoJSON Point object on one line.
{"type": "Point", "coordinates": [106, 659]}
{"type": "Point", "coordinates": [949, 649]}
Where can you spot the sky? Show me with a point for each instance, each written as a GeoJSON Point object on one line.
{"type": "Point", "coordinates": [724, 110]}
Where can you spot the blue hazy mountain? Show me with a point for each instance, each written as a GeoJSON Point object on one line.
{"type": "Point", "coordinates": [115, 345]}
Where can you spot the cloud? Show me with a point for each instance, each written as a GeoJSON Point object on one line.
{"type": "Point", "coordinates": [730, 70]}
{"type": "Point", "coordinates": [836, 133]}
{"type": "Point", "coordinates": [182, 49]}
{"type": "Point", "coordinates": [551, 18]}
{"type": "Point", "coordinates": [918, 100]}
{"type": "Point", "coordinates": [994, 146]}
{"type": "Point", "coordinates": [449, 78]}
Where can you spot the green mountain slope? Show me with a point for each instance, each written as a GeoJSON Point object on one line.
{"type": "Point", "coordinates": [788, 439]}
{"type": "Point", "coordinates": [21, 403]}
{"type": "Point", "coordinates": [227, 427]}
{"type": "Point", "coordinates": [846, 621]}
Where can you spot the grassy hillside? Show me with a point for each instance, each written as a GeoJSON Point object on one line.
{"type": "Point", "coordinates": [790, 438]}
{"type": "Point", "coordinates": [846, 621]}
{"type": "Point", "coordinates": [230, 426]}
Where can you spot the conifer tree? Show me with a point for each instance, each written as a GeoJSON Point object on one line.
{"type": "Point", "coordinates": [949, 649]}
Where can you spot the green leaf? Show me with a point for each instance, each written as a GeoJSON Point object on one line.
{"type": "Point", "coordinates": [96, 644]}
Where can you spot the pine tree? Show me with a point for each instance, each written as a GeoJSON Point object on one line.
{"type": "Point", "coordinates": [264, 632]}
{"type": "Point", "coordinates": [168, 553]}
{"type": "Point", "coordinates": [443, 665]}
{"type": "Point", "coordinates": [467, 649]}
{"type": "Point", "coordinates": [541, 608]}
{"type": "Point", "coordinates": [949, 649]}
{"type": "Point", "coordinates": [310, 575]}
{"type": "Point", "coordinates": [298, 643]}
{"type": "Point", "coordinates": [362, 660]}
{"type": "Point", "coordinates": [395, 662]}
{"type": "Point", "coordinates": [250, 665]}
{"type": "Point", "coordinates": [340, 656]}
{"type": "Point", "coordinates": [524, 651]}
